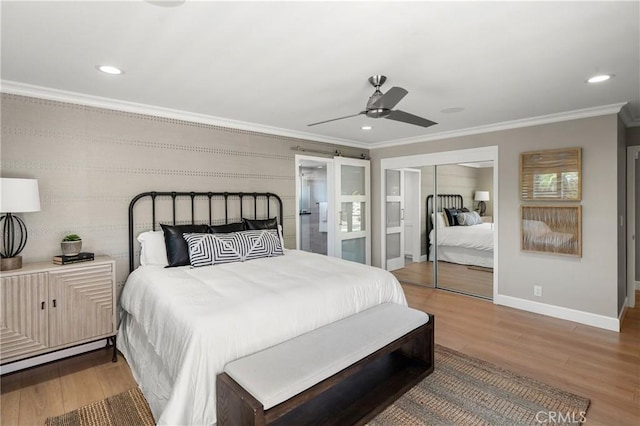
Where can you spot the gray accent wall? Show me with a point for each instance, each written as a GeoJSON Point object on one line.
{"type": "Point", "coordinates": [588, 284]}
{"type": "Point", "coordinates": [90, 162]}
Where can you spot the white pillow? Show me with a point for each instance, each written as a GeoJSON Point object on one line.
{"type": "Point", "coordinates": [442, 221]}
{"type": "Point", "coordinates": [153, 249]}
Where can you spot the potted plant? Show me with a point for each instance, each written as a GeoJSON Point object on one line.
{"type": "Point", "coordinates": [71, 245]}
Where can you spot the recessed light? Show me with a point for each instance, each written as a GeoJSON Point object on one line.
{"type": "Point", "coordinates": [452, 110]}
{"type": "Point", "coordinates": [600, 78]}
{"type": "Point", "coordinates": [109, 69]}
{"type": "Point", "coordinates": [366, 127]}
{"type": "Point", "coordinates": [166, 3]}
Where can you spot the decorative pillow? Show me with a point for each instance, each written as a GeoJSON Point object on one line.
{"type": "Point", "coordinates": [261, 223]}
{"type": "Point", "coordinates": [229, 227]}
{"type": "Point", "coordinates": [214, 249]}
{"type": "Point", "coordinates": [152, 248]}
{"type": "Point", "coordinates": [468, 219]}
{"type": "Point", "coordinates": [177, 249]}
{"type": "Point", "coordinates": [451, 216]}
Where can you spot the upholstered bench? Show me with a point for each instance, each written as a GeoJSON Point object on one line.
{"type": "Point", "coordinates": [343, 373]}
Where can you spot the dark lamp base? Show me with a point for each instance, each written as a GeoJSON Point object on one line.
{"type": "Point", "coordinates": [10, 263]}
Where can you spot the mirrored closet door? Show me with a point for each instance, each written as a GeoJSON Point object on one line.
{"type": "Point", "coordinates": [445, 239]}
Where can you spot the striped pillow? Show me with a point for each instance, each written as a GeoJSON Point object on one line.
{"type": "Point", "coordinates": [214, 249]}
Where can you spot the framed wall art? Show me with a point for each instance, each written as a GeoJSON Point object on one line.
{"type": "Point", "coordinates": [551, 175]}
{"type": "Point", "coordinates": [552, 229]}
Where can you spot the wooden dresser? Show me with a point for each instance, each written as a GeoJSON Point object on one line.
{"type": "Point", "coordinates": [46, 307]}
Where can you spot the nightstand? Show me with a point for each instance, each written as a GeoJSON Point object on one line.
{"type": "Point", "coordinates": [47, 307]}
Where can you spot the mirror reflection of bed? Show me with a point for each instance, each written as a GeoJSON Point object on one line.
{"type": "Point", "coordinates": [465, 237]}
{"type": "Point", "coordinates": [465, 251]}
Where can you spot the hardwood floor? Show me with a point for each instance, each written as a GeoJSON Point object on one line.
{"type": "Point", "coordinates": [598, 364]}
{"type": "Point", "coordinates": [30, 396]}
{"type": "Point", "coordinates": [601, 365]}
{"type": "Point", "coordinates": [451, 276]}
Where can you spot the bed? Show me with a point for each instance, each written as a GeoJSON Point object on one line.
{"type": "Point", "coordinates": [466, 243]}
{"type": "Point", "coordinates": [181, 325]}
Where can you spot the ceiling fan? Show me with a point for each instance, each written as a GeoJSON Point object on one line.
{"type": "Point", "coordinates": [381, 104]}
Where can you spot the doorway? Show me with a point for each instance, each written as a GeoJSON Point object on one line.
{"type": "Point", "coordinates": [403, 224]}
{"type": "Point", "coordinates": [459, 181]}
{"type": "Point", "coordinates": [633, 223]}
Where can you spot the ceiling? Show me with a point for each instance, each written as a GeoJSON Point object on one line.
{"type": "Point", "coordinates": [277, 66]}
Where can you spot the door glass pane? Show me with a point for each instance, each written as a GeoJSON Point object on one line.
{"type": "Point", "coordinates": [353, 179]}
{"type": "Point", "coordinates": [313, 207]}
{"type": "Point", "coordinates": [393, 246]}
{"type": "Point", "coordinates": [393, 182]}
{"type": "Point", "coordinates": [352, 217]}
{"type": "Point", "coordinates": [393, 214]}
{"type": "Point", "coordinates": [354, 250]}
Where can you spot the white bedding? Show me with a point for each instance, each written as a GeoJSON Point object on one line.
{"type": "Point", "coordinates": [182, 325]}
{"type": "Point", "coordinates": [466, 245]}
{"type": "Point", "coordinates": [479, 237]}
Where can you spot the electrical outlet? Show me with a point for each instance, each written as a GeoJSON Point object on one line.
{"type": "Point", "coordinates": [537, 290]}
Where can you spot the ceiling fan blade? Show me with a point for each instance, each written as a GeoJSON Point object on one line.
{"type": "Point", "coordinates": [390, 99]}
{"type": "Point", "coordinates": [340, 118]}
{"type": "Point", "coordinates": [405, 117]}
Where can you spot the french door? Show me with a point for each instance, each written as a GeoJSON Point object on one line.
{"type": "Point", "coordinates": [395, 218]}
{"type": "Point", "coordinates": [353, 209]}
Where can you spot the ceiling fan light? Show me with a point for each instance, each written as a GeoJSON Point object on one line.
{"type": "Point", "coordinates": [378, 112]}
{"type": "Point", "coordinates": [366, 127]}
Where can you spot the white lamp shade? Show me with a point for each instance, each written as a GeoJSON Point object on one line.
{"type": "Point", "coordinates": [481, 196]}
{"type": "Point", "coordinates": [19, 195]}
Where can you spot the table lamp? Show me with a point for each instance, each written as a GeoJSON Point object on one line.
{"type": "Point", "coordinates": [16, 196]}
{"type": "Point", "coordinates": [481, 197]}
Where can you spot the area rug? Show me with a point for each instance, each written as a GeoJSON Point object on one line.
{"type": "Point", "coordinates": [125, 409]}
{"type": "Point", "coordinates": [462, 390]}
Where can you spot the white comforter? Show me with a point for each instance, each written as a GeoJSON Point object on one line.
{"type": "Point", "coordinates": [199, 319]}
{"type": "Point", "coordinates": [479, 237]}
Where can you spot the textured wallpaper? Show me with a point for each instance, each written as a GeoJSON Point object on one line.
{"type": "Point", "coordinates": [90, 162]}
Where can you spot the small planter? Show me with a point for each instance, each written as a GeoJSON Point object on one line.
{"type": "Point", "coordinates": [71, 248]}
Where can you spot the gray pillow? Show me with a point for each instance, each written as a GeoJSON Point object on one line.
{"type": "Point", "coordinates": [468, 219]}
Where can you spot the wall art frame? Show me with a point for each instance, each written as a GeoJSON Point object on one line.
{"type": "Point", "coordinates": [551, 175]}
{"type": "Point", "coordinates": [551, 229]}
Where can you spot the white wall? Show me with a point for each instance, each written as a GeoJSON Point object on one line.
{"type": "Point", "coordinates": [587, 285]}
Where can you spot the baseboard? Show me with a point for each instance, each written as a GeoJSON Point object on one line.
{"type": "Point", "coordinates": [52, 356]}
{"type": "Point", "coordinates": [587, 318]}
{"type": "Point", "coordinates": [638, 286]}
{"type": "Point", "coordinates": [422, 258]}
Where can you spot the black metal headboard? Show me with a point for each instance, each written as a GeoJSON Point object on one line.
{"type": "Point", "coordinates": [261, 205]}
{"type": "Point", "coordinates": [445, 201]}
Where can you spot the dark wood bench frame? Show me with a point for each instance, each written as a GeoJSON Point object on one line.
{"type": "Point", "coordinates": [352, 396]}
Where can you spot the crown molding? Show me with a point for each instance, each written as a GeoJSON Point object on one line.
{"type": "Point", "coordinates": [627, 118]}
{"type": "Point", "coordinates": [23, 89]}
{"type": "Point", "coordinates": [507, 125]}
